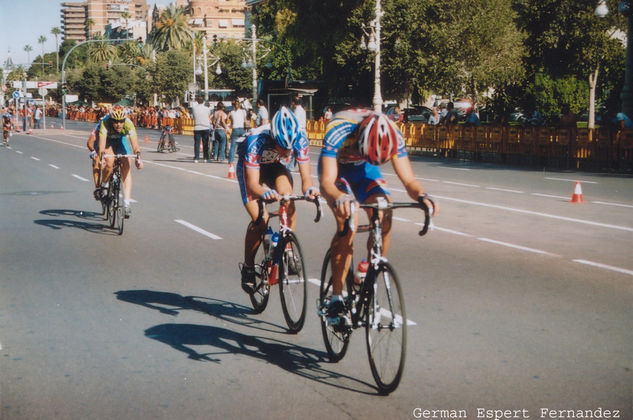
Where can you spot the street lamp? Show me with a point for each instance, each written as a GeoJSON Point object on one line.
{"type": "Point", "coordinates": [218, 69]}
{"type": "Point", "coordinates": [626, 96]}
{"type": "Point", "coordinates": [373, 45]}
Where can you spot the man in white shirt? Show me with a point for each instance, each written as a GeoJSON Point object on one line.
{"type": "Point", "coordinates": [238, 121]}
{"type": "Point", "coordinates": [262, 113]}
{"type": "Point", "coordinates": [300, 113]}
{"type": "Point", "coordinates": [201, 126]}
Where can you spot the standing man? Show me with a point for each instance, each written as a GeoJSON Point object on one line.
{"type": "Point", "coordinates": [201, 126]}
{"type": "Point", "coordinates": [219, 127]}
{"type": "Point", "coordinates": [300, 113]}
{"type": "Point", "coordinates": [238, 121]}
{"type": "Point", "coordinates": [262, 113]}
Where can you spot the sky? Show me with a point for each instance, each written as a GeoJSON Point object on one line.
{"type": "Point", "coordinates": [22, 22]}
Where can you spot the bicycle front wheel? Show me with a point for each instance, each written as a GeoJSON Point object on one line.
{"type": "Point", "coordinates": [259, 298]}
{"type": "Point", "coordinates": [335, 339]}
{"type": "Point", "coordinates": [113, 198]}
{"type": "Point", "coordinates": [386, 329]}
{"type": "Point", "coordinates": [161, 144]}
{"type": "Point", "coordinates": [292, 283]}
{"type": "Point", "coordinates": [120, 212]}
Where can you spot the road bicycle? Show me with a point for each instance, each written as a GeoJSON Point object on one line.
{"type": "Point", "coordinates": [112, 201]}
{"type": "Point", "coordinates": [282, 263]}
{"type": "Point", "coordinates": [167, 141]}
{"type": "Point", "coordinates": [376, 304]}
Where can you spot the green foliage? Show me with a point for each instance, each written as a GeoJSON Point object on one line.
{"type": "Point", "coordinates": [172, 74]}
{"type": "Point", "coordinates": [171, 31]}
{"type": "Point", "coordinates": [551, 95]}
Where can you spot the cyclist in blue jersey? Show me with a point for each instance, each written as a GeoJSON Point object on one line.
{"type": "Point", "coordinates": [262, 173]}
{"type": "Point", "coordinates": [356, 142]}
{"type": "Point", "coordinates": [93, 146]}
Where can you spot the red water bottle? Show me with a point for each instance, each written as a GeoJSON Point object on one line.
{"type": "Point", "coordinates": [361, 272]}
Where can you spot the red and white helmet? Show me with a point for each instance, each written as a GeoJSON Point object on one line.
{"type": "Point", "coordinates": [377, 139]}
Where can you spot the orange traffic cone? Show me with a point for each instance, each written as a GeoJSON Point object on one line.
{"type": "Point", "coordinates": [146, 139]}
{"type": "Point", "coordinates": [577, 196]}
{"type": "Point", "coordinates": [231, 174]}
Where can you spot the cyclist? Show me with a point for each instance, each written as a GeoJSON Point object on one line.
{"type": "Point", "coordinates": [356, 142]}
{"type": "Point", "coordinates": [7, 126]}
{"type": "Point", "coordinates": [117, 135]}
{"type": "Point", "coordinates": [262, 173]}
{"type": "Point", "coordinates": [93, 146]}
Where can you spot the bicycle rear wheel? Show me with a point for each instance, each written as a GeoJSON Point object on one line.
{"type": "Point", "coordinates": [113, 197]}
{"type": "Point", "coordinates": [259, 298]}
{"type": "Point", "coordinates": [335, 339]}
{"type": "Point", "coordinates": [292, 283]}
{"type": "Point", "coordinates": [161, 144]}
{"type": "Point", "coordinates": [386, 329]}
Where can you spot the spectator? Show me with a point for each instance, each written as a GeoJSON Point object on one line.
{"type": "Point", "coordinates": [434, 118]}
{"type": "Point", "coordinates": [451, 115]}
{"type": "Point", "coordinates": [537, 119]}
{"type": "Point", "coordinates": [262, 113]}
{"type": "Point", "coordinates": [238, 122]}
{"type": "Point", "coordinates": [38, 117]}
{"type": "Point", "coordinates": [397, 116]}
{"type": "Point", "coordinates": [300, 113]}
{"type": "Point", "coordinates": [328, 114]}
{"type": "Point", "coordinates": [219, 128]}
{"type": "Point", "coordinates": [443, 111]}
{"type": "Point", "coordinates": [623, 121]}
{"type": "Point", "coordinates": [472, 118]}
{"type": "Point", "coordinates": [201, 126]}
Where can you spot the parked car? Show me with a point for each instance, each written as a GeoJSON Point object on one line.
{"type": "Point", "coordinates": [417, 114]}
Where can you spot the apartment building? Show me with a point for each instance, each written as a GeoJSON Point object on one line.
{"type": "Point", "coordinates": [216, 18]}
{"type": "Point", "coordinates": [82, 20]}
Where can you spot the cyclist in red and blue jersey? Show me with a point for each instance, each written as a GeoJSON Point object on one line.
{"type": "Point", "coordinates": [93, 146]}
{"type": "Point", "coordinates": [262, 173]}
{"type": "Point", "coordinates": [356, 142]}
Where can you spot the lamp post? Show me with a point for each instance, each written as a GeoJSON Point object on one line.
{"type": "Point", "coordinates": [626, 96]}
{"type": "Point", "coordinates": [218, 69]}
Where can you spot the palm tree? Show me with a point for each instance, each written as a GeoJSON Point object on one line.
{"type": "Point", "coordinates": [126, 16]}
{"type": "Point", "coordinates": [57, 32]}
{"type": "Point", "coordinates": [102, 52]}
{"type": "Point", "coordinates": [28, 50]}
{"type": "Point", "coordinates": [41, 40]}
{"type": "Point", "coordinates": [89, 23]}
{"type": "Point", "coordinates": [172, 29]}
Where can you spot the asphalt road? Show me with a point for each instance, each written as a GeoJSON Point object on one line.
{"type": "Point", "coordinates": [517, 300]}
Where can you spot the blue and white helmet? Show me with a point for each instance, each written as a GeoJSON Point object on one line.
{"type": "Point", "coordinates": [285, 128]}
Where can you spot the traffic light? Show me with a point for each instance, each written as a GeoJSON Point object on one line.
{"type": "Point", "coordinates": [215, 39]}
{"type": "Point", "coordinates": [64, 88]}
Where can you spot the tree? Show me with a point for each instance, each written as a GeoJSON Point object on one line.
{"type": "Point", "coordinates": [28, 50]}
{"type": "Point", "coordinates": [89, 24]}
{"type": "Point", "coordinates": [101, 52]}
{"type": "Point", "coordinates": [56, 32]}
{"type": "Point", "coordinates": [42, 40]}
{"type": "Point", "coordinates": [171, 31]}
{"type": "Point", "coordinates": [171, 74]}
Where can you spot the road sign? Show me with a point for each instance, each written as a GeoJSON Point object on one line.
{"type": "Point", "coordinates": [42, 91]}
{"type": "Point", "coordinates": [16, 94]}
{"type": "Point", "coordinates": [35, 85]}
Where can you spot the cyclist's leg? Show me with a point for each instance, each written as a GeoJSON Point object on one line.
{"type": "Point", "coordinates": [254, 232]}
{"type": "Point", "coordinates": [106, 171]}
{"type": "Point", "coordinates": [283, 184]}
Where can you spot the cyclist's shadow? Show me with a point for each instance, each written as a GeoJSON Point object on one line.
{"type": "Point", "coordinates": [172, 303]}
{"type": "Point", "coordinates": [87, 220]}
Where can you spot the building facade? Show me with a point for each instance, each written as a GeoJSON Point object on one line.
{"type": "Point", "coordinates": [218, 19]}
{"type": "Point", "coordinates": [83, 20]}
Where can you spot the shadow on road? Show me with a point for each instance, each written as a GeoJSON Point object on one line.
{"type": "Point", "coordinates": [299, 360]}
{"type": "Point", "coordinates": [90, 224]}
{"type": "Point", "coordinates": [182, 337]}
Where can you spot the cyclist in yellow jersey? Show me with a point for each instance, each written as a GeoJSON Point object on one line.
{"type": "Point", "coordinates": [117, 135]}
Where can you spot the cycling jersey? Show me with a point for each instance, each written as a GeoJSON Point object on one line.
{"type": "Point", "coordinates": [339, 142]}
{"type": "Point", "coordinates": [259, 149]}
{"type": "Point", "coordinates": [119, 142]}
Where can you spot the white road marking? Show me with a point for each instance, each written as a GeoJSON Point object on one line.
{"type": "Point", "coordinates": [53, 166]}
{"type": "Point", "coordinates": [519, 247]}
{"type": "Point", "coordinates": [551, 196]}
{"type": "Point", "coordinates": [536, 213]}
{"type": "Point", "coordinates": [81, 178]}
{"type": "Point", "coordinates": [400, 219]}
{"type": "Point", "coordinates": [35, 158]}
{"type": "Point", "coordinates": [461, 184]}
{"type": "Point", "coordinates": [18, 152]}
{"type": "Point", "coordinates": [504, 190]}
{"type": "Point", "coordinates": [606, 267]}
{"type": "Point", "coordinates": [197, 229]}
{"type": "Point", "coordinates": [569, 180]}
{"type": "Point", "coordinates": [613, 204]}
{"type": "Point", "coordinates": [454, 232]}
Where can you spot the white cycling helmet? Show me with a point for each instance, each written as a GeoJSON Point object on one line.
{"type": "Point", "coordinates": [284, 128]}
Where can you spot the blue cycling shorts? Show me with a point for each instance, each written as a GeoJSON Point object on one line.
{"type": "Point", "coordinates": [364, 180]}
{"type": "Point", "coordinates": [120, 146]}
{"type": "Point", "coordinates": [268, 175]}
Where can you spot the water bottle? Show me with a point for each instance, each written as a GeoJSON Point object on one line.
{"type": "Point", "coordinates": [267, 236]}
{"type": "Point", "coordinates": [361, 272]}
{"type": "Point", "coordinates": [273, 244]}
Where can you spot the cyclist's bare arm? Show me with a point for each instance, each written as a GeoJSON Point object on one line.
{"type": "Point", "coordinates": [402, 167]}
{"type": "Point", "coordinates": [306, 180]}
{"type": "Point", "coordinates": [257, 190]}
{"type": "Point", "coordinates": [329, 190]}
